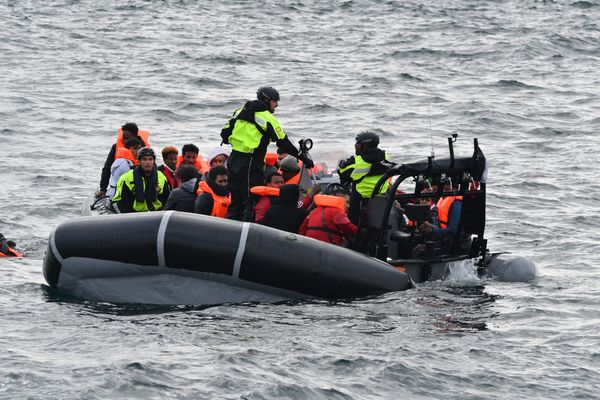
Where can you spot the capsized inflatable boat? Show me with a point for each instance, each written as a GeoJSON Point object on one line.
{"type": "Point", "coordinates": [183, 258]}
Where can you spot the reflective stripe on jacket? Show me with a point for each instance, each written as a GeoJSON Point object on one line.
{"type": "Point", "coordinates": [362, 179]}
{"type": "Point", "coordinates": [246, 137]}
{"type": "Point", "coordinates": [127, 181]}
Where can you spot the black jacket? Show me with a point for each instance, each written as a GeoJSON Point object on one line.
{"type": "Point", "coordinates": [284, 214]}
{"type": "Point", "coordinates": [110, 159]}
{"type": "Point", "coordinates": [184, 197]}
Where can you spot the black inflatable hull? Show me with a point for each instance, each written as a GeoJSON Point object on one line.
{"type": "Point", "coordinates": [181, 258]}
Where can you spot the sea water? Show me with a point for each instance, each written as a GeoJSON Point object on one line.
{"type": "Point", "coordinates": [521, 76]}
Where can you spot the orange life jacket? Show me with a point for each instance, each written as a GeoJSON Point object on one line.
{"type": "Point", "coordinates": [11, 253]}
{"type": "Point", "coordinates": [271, 159]}
{"type": "Point", "coordinates": [324, 200]}
{"type": "Point", "coordinates": [141, 134]}
{"type": "Point", "coordinates": [265, 191]}
{"type": "Point", "coordinates": [201, 165]}
{"type": "Point", "coordinates": [220, 203]}
{"type": "Point", "coordinates": [124, 152]}
{"type": "Point", "coordinates": [443, 206]}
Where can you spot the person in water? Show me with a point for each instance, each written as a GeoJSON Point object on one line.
{"type": "Point", "coordinates": [125, 159]}
{"type": "Point", "coordinates": [184, 197]}
{"type": "Point", "coordinates": [249, 131]}
{"type": "Point", "coordinates": [329, 222]}
{"type": "Point", "coordinates": [284, 214]}
{"type": "Point", "coordinates": [363, 171]}
{"type": "Point", "coordinates": [169, 156]}
{"type": "Point", "coordinates": [213, 195]}
{"type": "Point", "coordinates": [143, 188]}
{"type": "Point", "coordinates": [8, 248]}
{"type": "Point", "coordinates": [127, 130]}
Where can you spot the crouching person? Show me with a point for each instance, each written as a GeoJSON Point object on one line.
{"type": "Point", "coordinates": [142, 188]}
{"type": "Point", "coordinates": [329, 221]}
{"type": "Point", "coordinates": [183, 198]}
{"type": "Point", "coordinates": [213, 196]}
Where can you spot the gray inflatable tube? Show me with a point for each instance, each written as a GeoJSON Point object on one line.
{"type": "Point", "coordinates": [182, 258]}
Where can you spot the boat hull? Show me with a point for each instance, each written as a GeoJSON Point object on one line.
{"type": "Point", "coordinates": [182, 258]}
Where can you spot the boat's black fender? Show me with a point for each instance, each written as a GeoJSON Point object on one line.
{"type": "Point", "coordinates": [245, 251]}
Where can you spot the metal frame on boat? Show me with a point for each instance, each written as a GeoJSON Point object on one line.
{"type": "Point", "coordinates": [390, 238]}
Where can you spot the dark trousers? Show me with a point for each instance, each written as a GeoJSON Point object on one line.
{"type": "Point", "coordinates": [244, 172]}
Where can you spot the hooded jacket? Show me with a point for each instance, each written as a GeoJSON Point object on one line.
{"type": "Point", "coordinates": [184, 197]}
{"type": "Point", "coordinates": [284, 213]}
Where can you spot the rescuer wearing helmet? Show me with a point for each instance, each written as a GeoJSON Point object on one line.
{"type": "Point", "coordinates": [249, 132]}
{"type": "Point", "coordinates": [143, 188]}
{"type": "Point", "coordinates": [363, 171]}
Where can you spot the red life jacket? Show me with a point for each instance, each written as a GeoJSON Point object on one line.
{"type": "Point", "coordinates": [443, 206]}
{"type": "Point", "coordinates": [320, 221]}
{"type": "Point", "coordinates": [170, 175]}
{"type": "Point", "coordinates": [271, 159]}
{"type": "Point", "coordinates": [263, 205]}
{"type": "Point", "coordinates": [220, 203]}
{"type": "Point", "coordinates": [201, 165]}
{"type": "Point", "coordinates": [141, 134]}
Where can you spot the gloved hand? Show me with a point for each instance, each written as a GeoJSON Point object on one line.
{"type": "Point", "coordinates": [306, 161]}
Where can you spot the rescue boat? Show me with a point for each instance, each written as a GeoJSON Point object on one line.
{"type": "Point", "coordinates": [392, 221]}
{"type": "Point", "coordinates": [182, 258]}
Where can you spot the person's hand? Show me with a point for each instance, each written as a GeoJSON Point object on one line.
{"type": "Point", "coordinates": [100, 193]}
{"type": "Point", "coordinates": [307, 161]}
{"type": "Point", "coordinates": [426, 227]}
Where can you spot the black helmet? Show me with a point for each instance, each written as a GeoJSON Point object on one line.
{"type": "Point", "coordinates": [267, 93]}
{"type": "Point", "coordinates": [369, 138]}
{"type": "Point", "coordinates": [145, 151]}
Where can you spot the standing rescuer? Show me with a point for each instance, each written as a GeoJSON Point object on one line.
{"type": "Point", "coordinates": [249, 132]}
{"type": "Point", "coordinates": [363, 171]}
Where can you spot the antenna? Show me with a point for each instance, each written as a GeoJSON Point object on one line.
{"type": "Point", "coordinates": [430, 130]}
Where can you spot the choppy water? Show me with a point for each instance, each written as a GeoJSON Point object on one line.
{"type": "Point", "coordinates": [522, 76]}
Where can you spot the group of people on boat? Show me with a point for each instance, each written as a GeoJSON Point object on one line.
{"type": "Point", "coordinates": [248, 183]}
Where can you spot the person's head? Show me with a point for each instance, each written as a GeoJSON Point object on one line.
{"type": "Point", "coordinates": [186, 172]}
{"type": "Point", "coordinates": [343, 194]}
{"type": "Point", "coordinates": [134, 144]}
{"type": "Point", "coordinates": [129, 129]}
{"type": "Point", "coordinates": [147, 159]}
{"type": "Point", "coordinates": [190, 153]}
{"type": "Point", "coordinates": [169, 155]}
{"type": "Point", "coordinates": [289, 195]}
{"type": "Point", "coordinates": [365, 140]}
{"type": "Point", "coordinates": [269, 97]}
{"type": "Point", "coordinates": [274, 180]}
{"type": "Point", "coordinates": [289, 168]}
{"type": "Point", "coordinates": [217, 157]}
{"type": "Point", "coordinates": [280, 156]}
{"type": "Point", "coordinates": [219, 175]}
